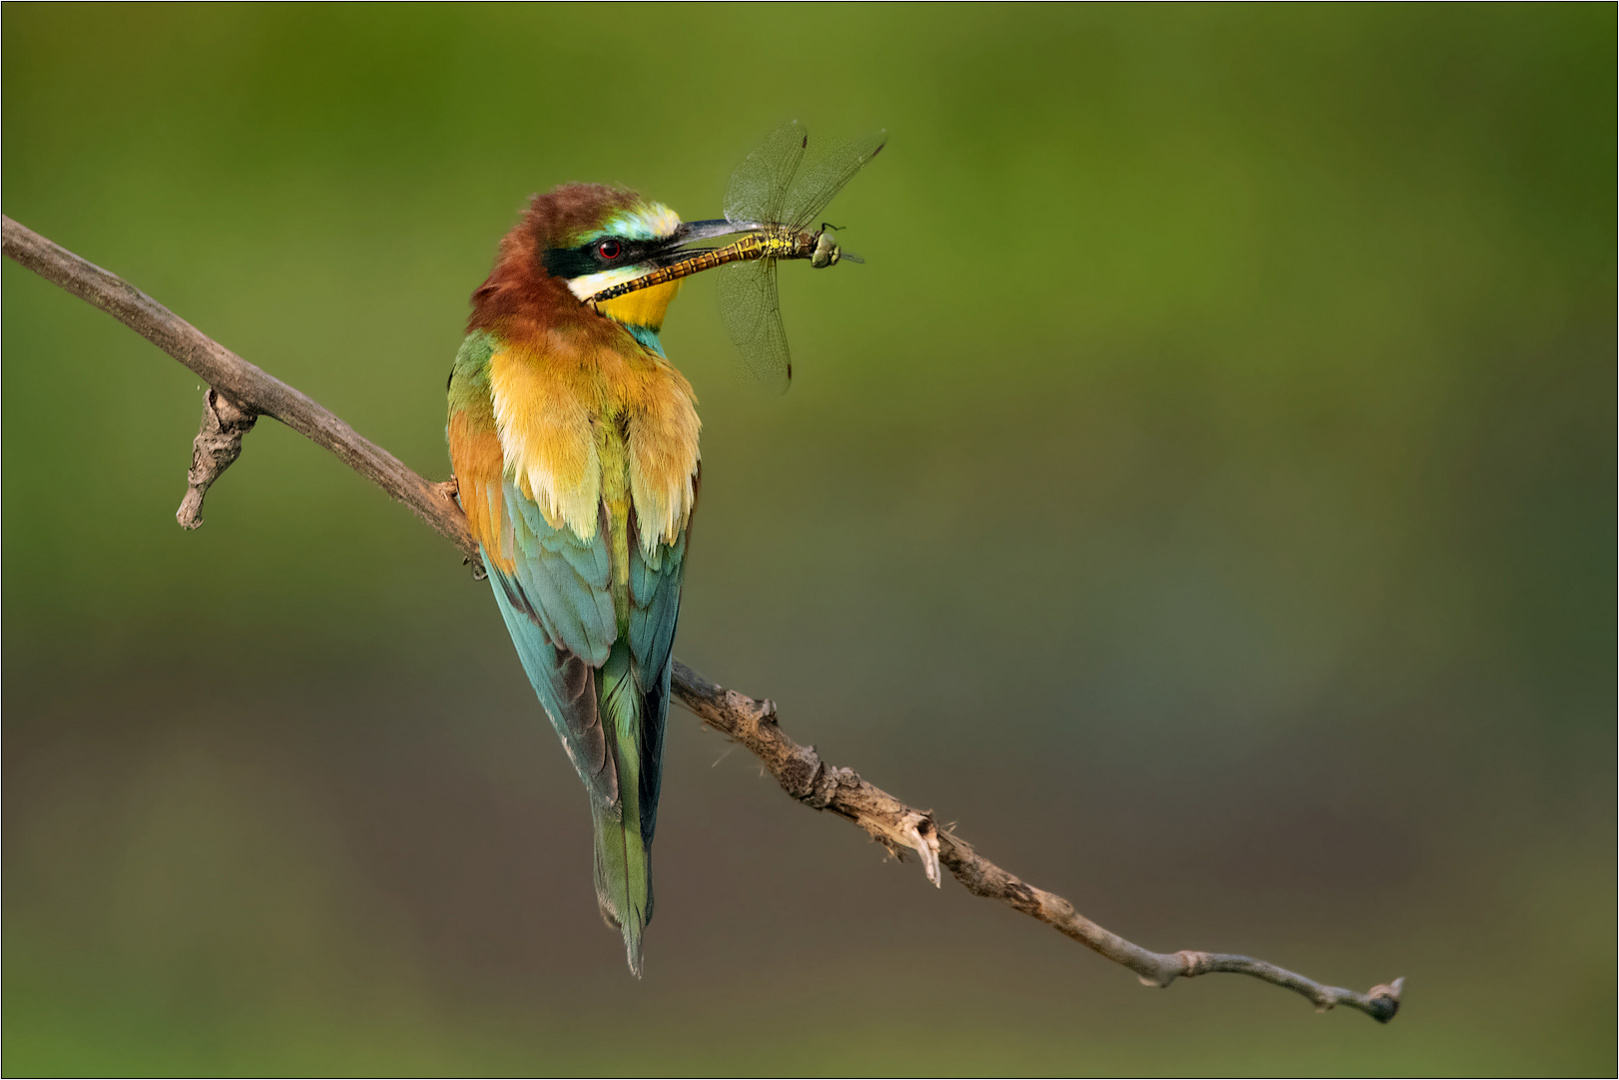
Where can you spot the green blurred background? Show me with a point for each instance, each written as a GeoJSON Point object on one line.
{"type": "Point", "coordinates": [1204, 496]}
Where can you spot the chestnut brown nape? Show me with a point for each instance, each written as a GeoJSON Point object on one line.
{"type": "Point", "coordinates": [519, 288]}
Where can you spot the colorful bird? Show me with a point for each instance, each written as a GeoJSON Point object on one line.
{"type": "Point", "coordinates": [574, 445]}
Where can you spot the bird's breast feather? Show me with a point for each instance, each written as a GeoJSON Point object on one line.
{"type": "Point", "coordinates": [555, 408]}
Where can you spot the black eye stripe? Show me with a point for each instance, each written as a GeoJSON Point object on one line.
{"type": "Point", "coordinates": [630, 251]}
{"type": "Point", "coordinates": [587, 258]}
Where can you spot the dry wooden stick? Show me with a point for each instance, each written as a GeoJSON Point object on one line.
{"type": "Point", "coordinates": [239, 393]}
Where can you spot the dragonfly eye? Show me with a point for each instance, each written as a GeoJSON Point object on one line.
{"type": "Point", "coordinates": [609, 249]}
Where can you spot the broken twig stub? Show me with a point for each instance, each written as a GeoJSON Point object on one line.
{"type": "Point", "coordinates": [217, 445]}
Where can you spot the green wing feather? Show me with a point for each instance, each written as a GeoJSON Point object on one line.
{"type": "Point", "coordinates": [655, 581]}
{"type": "Point", "coordinates": [558, 608]}
{"type": "Point", "coordinates": [607, 695]}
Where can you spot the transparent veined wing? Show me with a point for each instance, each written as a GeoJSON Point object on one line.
{"type": "Point", "coordinates": [752, 316]}
{"type": "Point", "coordinates": [759, 185]}
{"type": "Point", "coordinates": [825, 177]}
{"type": "Point", "coordinates": [769, 191]}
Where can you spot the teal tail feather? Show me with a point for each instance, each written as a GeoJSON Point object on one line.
{"type": "Point", "coordinates": [623, 854]}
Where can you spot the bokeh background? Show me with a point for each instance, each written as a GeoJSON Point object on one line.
{"type": "Point", "coordinates": [1204, 496]}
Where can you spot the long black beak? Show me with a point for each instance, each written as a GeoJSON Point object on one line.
{"type": "Point", "coordinates": [691, 232]}
{"type": "Point", "coordinates": [683, 243]}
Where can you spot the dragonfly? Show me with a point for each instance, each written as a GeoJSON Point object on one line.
{"type": "Point", "coordinates": [774, 202]}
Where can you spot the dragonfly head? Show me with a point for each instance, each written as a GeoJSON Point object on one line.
{"type": "Point", "coordinates": [827, 251]}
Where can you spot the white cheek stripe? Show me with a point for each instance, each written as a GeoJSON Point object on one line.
{"type": "Point", "coordinates": [585, 287]}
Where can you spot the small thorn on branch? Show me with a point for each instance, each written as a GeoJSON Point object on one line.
{"type": "Point", "coordinates": [217, 445]}
{"type": "Point", "coordinates": [918, 833]}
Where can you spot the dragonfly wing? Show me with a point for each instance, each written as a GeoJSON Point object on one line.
{"type": "Point", "coordinates": [752, 314]}
{"type": "Point", "coordinates": [759, 185]}
{"type": "Point", "coordinates": [825, 178]}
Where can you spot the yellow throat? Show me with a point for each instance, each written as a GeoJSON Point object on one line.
{"type": "Point", "coordinates": [644, 307]}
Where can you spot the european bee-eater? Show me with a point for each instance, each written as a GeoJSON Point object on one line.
{"type": "Point", "coordinates": [574, 444]}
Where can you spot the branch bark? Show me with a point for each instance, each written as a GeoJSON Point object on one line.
{"type": "Point", "coordinates": [239, 392]}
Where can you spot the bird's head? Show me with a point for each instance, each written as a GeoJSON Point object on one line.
{"type": "Point", "coordinates": [579, 239]}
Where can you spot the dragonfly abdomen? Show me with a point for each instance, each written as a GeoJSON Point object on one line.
{"type": "Point", "coordinates": [784, 244]}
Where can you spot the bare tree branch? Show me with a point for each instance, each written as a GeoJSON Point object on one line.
{"type": "Point", "coordinates": [239, 392]}
{"type": "Point", "coordinates": [804, 776]}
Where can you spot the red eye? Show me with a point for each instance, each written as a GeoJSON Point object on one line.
{"type": "Point", "coordinates": [609, 249]}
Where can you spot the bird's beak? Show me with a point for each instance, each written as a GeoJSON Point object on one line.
{"type": "Point", "coordinates": [691, 232]}
{"type": "Point", "coordinates": [683, 243]}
